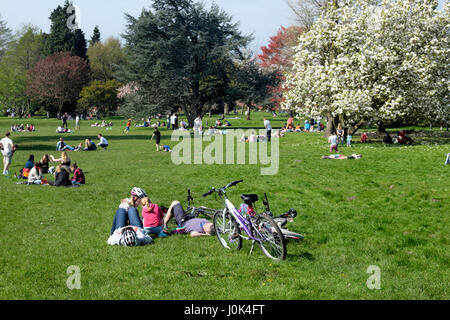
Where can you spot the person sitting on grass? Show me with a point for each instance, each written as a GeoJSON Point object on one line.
{"type": "Point", "coordinates": [61, 177]}
{"type": "Point", "coordinates": [103, 142]}
{"type": "Point", "coordinates": [30, 162]}
{"type": "Point", "coordinates": [44, 163]}
{"type": "Point", "coordinates": [64, 160]}
{"type": "Point", "coordinates": [387, 139]}
{"type": "Point", "coordinates": [62, 146]}
{"type": "Point", "coordinates": [88, 145]}
{"type": "Point", "coordinates": [195, 226]}
{"type": "Point", "coordinates": [342, 157]}
{"type": "Point", "coordinates": [153, 218]}
{"type": "Point", "coordinates": [35, 175]}
{"type": "Point", "coordinates": [166, 148]}
{"type": "Point", "coordinates": [78, 175]}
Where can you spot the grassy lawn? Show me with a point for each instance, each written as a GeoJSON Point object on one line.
{"type": "Point", "coordinates": [389, 209]}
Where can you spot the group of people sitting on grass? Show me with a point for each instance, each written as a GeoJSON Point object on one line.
{"type": "Point", "coordinates": [88, 145]}
{"type": "Point", "coordinates": [34, 171]}
{"type": "Point", "coordinates": [22, 128]}
{"type": "Point", "coordinates": [104, 124]}
{"type": "Point", "coordinates": [130, 229]}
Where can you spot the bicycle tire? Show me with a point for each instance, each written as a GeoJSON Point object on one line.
{"type": "Point", "coordinates": [274, 244]}
{"type": "Point", "coordinates": [227, 231]}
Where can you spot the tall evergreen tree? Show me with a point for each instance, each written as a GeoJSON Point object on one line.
{"type": "Point", "coordinates": [96, 37]}
{"type": "Point", "coordinates": [61, 38]}
{"type": "Point", "coordinates": [182, 55]}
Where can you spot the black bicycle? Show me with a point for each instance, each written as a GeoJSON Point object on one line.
{"type": "Point", "coordinates": [198, 212]}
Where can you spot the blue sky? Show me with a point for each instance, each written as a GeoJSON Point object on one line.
{"type": "Point", "coordinates": [260, 17]}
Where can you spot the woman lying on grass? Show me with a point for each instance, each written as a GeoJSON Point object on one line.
{"type": "Point", "coordinates": [342, 157]}
{"type": "Point", "coordinates": [127, 228]}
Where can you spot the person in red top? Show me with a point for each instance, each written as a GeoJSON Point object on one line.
{"type": "Point", "coordinates": [127, 128]}
{"type": "Point", "coordinates": [78, 175]}
{"type": "Point", "coordinates": [364, 138]}
{"type": "Point", "coordinates": [153, 218]}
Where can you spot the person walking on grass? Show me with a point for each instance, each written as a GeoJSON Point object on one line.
{"type": "Point", "coordinates": [157, 136]}
{"type": "Point", "coordinates": [127, 128]}
{"type": "Point", "coordinates": [103, 142]}
{"type": "Point", "coordinates": [7, 148]}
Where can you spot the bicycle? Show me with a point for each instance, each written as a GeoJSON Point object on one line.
{"type": "Point", "coordinates": [282, 220]}
{"type": "Point", "coordinates": [259, 228]}
{"type": "Point", "coordinates": [202, 212]}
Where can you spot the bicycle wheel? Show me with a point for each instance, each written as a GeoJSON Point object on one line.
{"type": "Point", "coordinates": [273, 244]}
{"type": "Point", "coordinates": [227, 231]}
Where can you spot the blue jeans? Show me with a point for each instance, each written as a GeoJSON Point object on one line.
{"type": "Point", "coordinates": [123, 218]}
{"type": "Point", "coordinates": [157, 231]}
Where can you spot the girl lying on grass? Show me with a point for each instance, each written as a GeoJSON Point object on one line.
{"type": "Point", "coordinates": [342, 157]}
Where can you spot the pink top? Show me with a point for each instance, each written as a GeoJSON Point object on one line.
{"type": "Point", "coordinates": [152, 215]}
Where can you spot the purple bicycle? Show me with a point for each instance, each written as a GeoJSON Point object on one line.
{"type": "Point", "coordinates": [259, 228]}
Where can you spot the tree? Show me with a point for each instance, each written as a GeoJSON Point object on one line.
{"type": "Point", "coordinates": [5, 37]}
{"type": "Point", "coordinates": [181, 55]}
{"type": "Point", "coordinates": [96, 38]}
{"type": "Point", "coordinates": [57, 81]}
{"type": "Point", "coordinates": [101, 95]}
{"type": "Point", "coordinates": [24, 51]}
{"type": "Point", "coordinates": [306, 12]}
{"type": "Point", "coordinates": [62, 38]}
{"type": "Point", "coordinates": [252, 84]}
{"type": "Point", "coordinates": [106, 59]}
{"type": "Point", "coordinates": [277, 56]}
{"type": "Point", "coordinates": [389, 63]}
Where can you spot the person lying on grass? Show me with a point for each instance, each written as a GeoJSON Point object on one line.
{"type": "Point", "coordinates": [342, 157]}
{"type": "Point", "coordinates": [195, 226]}
{"type": "Point", "coordinates": [126, 219]}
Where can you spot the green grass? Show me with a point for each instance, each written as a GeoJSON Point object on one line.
{"type": "Point", "coordinates": [390, 209]}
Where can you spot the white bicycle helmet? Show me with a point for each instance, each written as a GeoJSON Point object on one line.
{"type": "Point", "coordinates": [138, 192]}
{"type": "Point", "coordinates": [128, 237]}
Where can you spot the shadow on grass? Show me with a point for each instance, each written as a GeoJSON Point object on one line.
{"type": "Point", "coordinates": [306, 255]}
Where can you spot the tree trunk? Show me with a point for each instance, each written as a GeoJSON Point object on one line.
{"type": "Point", "coordinates": [248, 113]}
{"type": "Point", "coordinates": [331, 125]}
{"type": "Point", "coordinates": [381, 127]}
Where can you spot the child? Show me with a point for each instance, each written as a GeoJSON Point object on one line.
{"type": "Point", "coordinates": [157, 136]}
{"type": "Point", "coordinates": [349, 140]}
{"type": "Point", "coordinates": [333, 142]}
{"type": "Point", "coordinates": [153, 218]}
{"type": "Point", "coordinates": [127, 128]}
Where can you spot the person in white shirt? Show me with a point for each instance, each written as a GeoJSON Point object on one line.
{"type": "Point", "coordinates": [174, 122]}
{"type": "Point", "coordinates": [333, 142]}
{"type": "Point", "coordinates": [35, 175]}
{"type": "Point", "coordinates": [197, 124]}
{"type": "Point", "coordinates": [268, 129]}
{"type": "Point", "coordinates": [103, 142]}
{"type": "Point", "coordinates": [77, 122]}
{"type": "Point", "coordinates": [7, 148]}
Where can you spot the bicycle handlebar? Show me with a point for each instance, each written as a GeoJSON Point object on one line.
{"type": "Point", "coordinates": [231, 184]}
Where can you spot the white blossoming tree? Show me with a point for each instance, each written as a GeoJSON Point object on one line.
{"type": "Point", "coordinates": [377, 61]}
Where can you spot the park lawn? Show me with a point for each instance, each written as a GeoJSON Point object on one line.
{"type": "Point", "coordinates": [388, 209]}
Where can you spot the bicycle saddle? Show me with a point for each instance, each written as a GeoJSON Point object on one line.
{"type": "Point", "coordinates": [249, 198]}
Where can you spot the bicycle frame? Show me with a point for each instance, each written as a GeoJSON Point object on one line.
{"type": "Point", "coordinates": [243, 223]}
